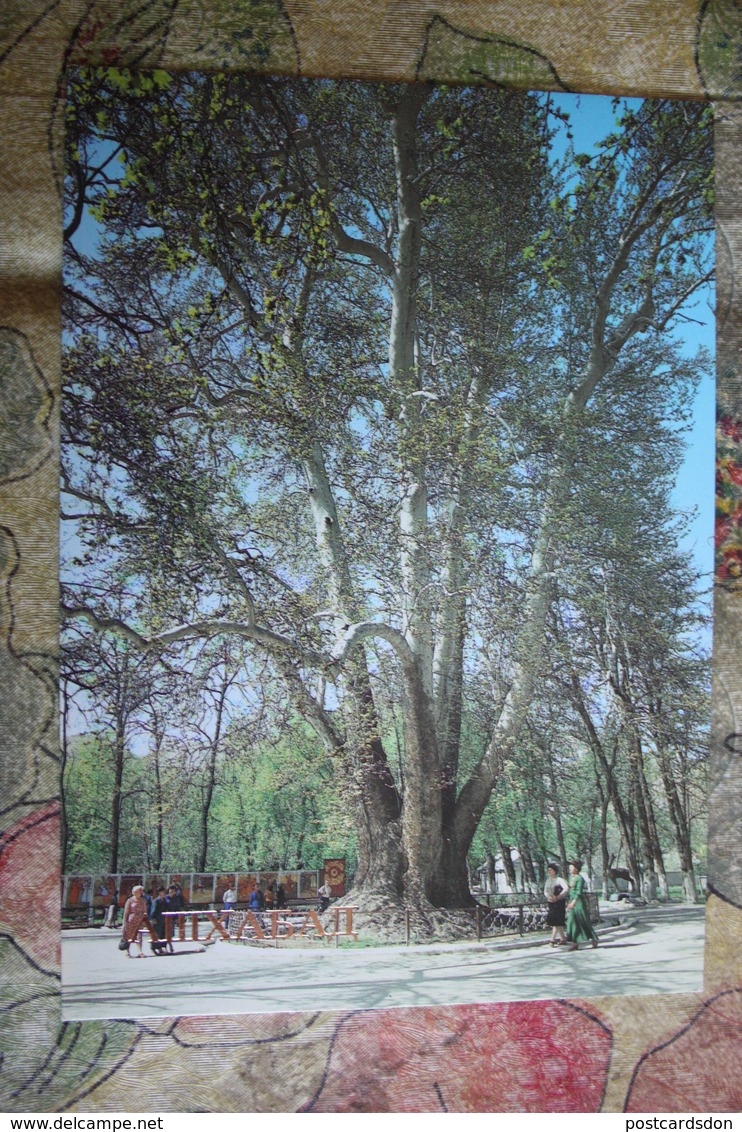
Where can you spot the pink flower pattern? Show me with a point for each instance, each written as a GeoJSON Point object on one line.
{"type": "Point", "coordinates": [510, 1057]}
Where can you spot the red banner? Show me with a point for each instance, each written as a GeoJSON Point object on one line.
{"type": "Point", "coordinates": [335, 875]}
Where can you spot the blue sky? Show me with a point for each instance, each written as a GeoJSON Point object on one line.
{"type": "Point", "coordinates": [592, 118]}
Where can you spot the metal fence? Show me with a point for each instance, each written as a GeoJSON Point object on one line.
{"type": "Point", "coordinates": [521, 916]}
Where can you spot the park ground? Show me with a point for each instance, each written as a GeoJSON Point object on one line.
{"type": "Point", "coordinates": [654, 950]}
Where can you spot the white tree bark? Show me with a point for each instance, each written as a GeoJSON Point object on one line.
{"type": "Point", "coordinates": [329, 541]}
{"type": "Point", "coordinates": [404, 378]}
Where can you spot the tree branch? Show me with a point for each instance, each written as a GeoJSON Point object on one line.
{"type": "Point", "coordinates": [353, 245]}
{"type": "Point", "coordinates": [207, 627]}
{"type": "Point", "coordinates": [362, 630]}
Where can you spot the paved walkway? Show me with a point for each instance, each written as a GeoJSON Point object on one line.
{"type": "Point", "coordinates": [653, 951]}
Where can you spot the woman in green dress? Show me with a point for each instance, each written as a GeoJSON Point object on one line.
{"type": "Point", "coordinates": [579, 927]}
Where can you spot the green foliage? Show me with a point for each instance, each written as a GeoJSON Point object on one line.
{"type": "Point", "coordinates": [88, 778]}
{"type": "Point", "coordinates": [280, 804]}
{"type": "Point", "coordinates": [276, 805]}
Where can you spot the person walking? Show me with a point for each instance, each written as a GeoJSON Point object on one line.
{"type": "Point", "coordinates": [175, 903]}
{"type": "Point", "coordinates": [229, 900]}
{"type": "Point", "coordinates": [113, 908]}
{"type": "Point", "coordinates": [556, 891]}
{"type": "Point", "coordinates": [135, 914]}
{"type": "Point", "coordinates": [578, 924]}
{"type": "Point", "coordinates": [256, 901]}
{"type": "Point", "coordinates": [324, 892]}
{"type": "Point", "coordinates": [157, 919]}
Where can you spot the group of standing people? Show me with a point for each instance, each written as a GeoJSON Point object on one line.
{"type": "Point", "coordinates": [258, 901]}
{"type": "Point", "coordinates": [568, 914]}
{"type": "Point", "coordinates": [265, 901]}
{"type": "Point", "coordinates": [141, 908]}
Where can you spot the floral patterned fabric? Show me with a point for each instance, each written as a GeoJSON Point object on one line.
{"type": "Point", "coordinates": [668, 1053]}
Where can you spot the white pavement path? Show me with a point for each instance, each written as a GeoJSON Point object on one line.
{"type": "Point", "coordinates": [653, 951]}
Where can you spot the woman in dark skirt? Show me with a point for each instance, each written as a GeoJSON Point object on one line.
{"type": "Point", "coordinates": [556, 892]}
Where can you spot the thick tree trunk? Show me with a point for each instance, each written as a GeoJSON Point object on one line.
{"type": "Point", "coordinates": [374, 795]}
{"type": "Point", "coordinates": [422, 806]}
{"type": "Point", "coordinates": [378, 812]}
{"type": "Point", "coordinates": [453, 889]}
{"type": "Point", "coordinates": [422, 839]}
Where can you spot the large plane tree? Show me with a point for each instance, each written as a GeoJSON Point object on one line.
{"type": "Point", "coordinates": [339, 357]}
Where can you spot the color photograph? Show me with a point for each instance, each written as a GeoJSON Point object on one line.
{"type": "Point", "coordinates": [386, 509]}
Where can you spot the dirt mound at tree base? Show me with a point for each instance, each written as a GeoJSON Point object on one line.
{"type": "Point", "coordinates": [377, 920]}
